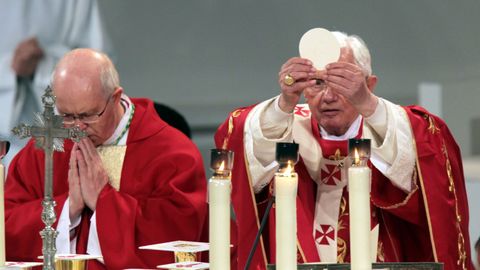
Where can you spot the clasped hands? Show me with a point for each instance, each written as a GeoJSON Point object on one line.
{"type": "Point", "coordinates": [26, 57]}
{"type": "Point", "coordinates": [343, 78]}
{"type": "Point", "coordinates": [86, 177]}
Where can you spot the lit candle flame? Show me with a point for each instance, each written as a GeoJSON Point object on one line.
{"type": "Point", "coordinates": [356, 157]}
{"type": "Point", "coordinates": [222, 166]}
{"type": "Point", "coordinates": [289, 168]}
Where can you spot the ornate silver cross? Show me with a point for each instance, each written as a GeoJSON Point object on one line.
{"type": "Point", "coordinates": [49, 134]}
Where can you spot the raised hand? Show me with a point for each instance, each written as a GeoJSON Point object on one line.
{"type": "Point", "coordinates": [349, 80]}
{"type": "Point", "coordinates": [302, 72]}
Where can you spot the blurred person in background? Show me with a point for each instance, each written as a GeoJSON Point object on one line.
{"type": "Point", "coordinates": [35, 35]}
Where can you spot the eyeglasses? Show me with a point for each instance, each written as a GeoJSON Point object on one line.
{"type": "Point", "coordinates": [320, 85]}
{"type": "Point", "coordinates": [69, 119]}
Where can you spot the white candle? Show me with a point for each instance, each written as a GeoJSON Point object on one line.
{"type": "Point", "coordinates": [359, 211]}
{"type": "Point", "coordinates": [219, 190]}
{"type": "Point", "coordinates": [286, 220]}
{"type": "Point", "coordinates": [2, 217]}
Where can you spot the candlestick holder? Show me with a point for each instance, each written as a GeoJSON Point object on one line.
{"type": "Point", "coordinates": [359, 152]}
{"type": "Point", "coordinates": [221, 163]}
{"type": "Point", "coordinates": [359, 184]}
{"type": "Point", "coordinates": [286, 155]}
{"type": "Point", "coordinates": [286, 186]}
{"type": "Point", "coordinates": [219, 198]}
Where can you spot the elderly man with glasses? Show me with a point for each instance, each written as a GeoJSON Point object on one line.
{"type": "Point", "coordinates": [133, 181]}
{"type": "Point", "coordinates": [419, 209]}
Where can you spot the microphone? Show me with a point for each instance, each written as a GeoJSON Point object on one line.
{"type": "Point", "coordinates": [271, 200]}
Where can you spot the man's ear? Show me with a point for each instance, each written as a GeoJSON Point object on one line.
{"type": "Point", "coordinates": [117, 94]}
{"type": "Point", "coordinates": [372, 82]}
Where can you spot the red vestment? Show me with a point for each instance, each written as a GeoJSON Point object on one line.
{"type": "Point", "coordinates": [162, 197]}
{"type": "Point", "coordinates": [428, 224]}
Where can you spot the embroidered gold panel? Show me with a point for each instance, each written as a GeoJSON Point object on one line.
{"type": "Point", "coordinates": [112, 157]}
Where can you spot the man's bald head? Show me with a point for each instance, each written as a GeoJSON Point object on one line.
{"type": "Point", "coordinates": [87, 67]}
{"type": "Point", "coordinates": [86, 87]}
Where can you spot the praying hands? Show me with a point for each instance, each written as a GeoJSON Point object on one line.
{"type": "Point", "coordinates": [86, 177]}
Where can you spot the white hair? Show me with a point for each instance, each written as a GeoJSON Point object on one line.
{"type": "Point", "coordinates": [359, 48]}
{"type": "Point", "coordinates": [109, 76]}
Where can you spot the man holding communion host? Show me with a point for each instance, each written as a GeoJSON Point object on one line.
{"type": "Point", "coordinates": [133, 181]}
{"type": "Point", "coordinates": [419, 209]}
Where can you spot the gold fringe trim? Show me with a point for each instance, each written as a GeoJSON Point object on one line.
{"type": "Point", "coordinates": [300, 252]}
{"type": "Point", "coordinates": [234, 114]}
{"type": "Point", "coordinates": [425, 200]}
{"type": "Point", "coordinates": [431, 124]}
{"type": "Point", "coordinates": [405, 201]}
{"type": "Point", "coordinates": [341, 250]}
{"type": "Point", "coordinates": [462, 254]}
{"type": "Point", "coordinates": [341, 244]}
{"type": "Point", "coordinates": [380, 252]}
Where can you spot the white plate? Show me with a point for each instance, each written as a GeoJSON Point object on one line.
{"type": "Point", "coordinates": [185, 265]}
{"type": "Point", "coordinates": [179, 246]}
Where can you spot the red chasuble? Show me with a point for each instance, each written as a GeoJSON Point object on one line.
{"type": "Point", "coordinates": [162, 197]}
{"type": "Point", "coordinates": [428, 224]}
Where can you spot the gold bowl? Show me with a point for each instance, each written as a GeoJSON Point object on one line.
{"type": "Point", "coordinates": [71, 264]}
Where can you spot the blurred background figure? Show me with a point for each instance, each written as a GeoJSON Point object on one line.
{"type": "Point", "coordinates": [35, 35]}
{"type": "Point", "coordinates": [173, 118]}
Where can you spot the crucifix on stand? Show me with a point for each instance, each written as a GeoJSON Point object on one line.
{"type": "Point", "coordinates": [49, 134]}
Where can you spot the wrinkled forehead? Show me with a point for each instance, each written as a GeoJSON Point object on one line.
{"type": "Point", "coordinates": [78, 96]}
{"type": "Point", "coordinates": [74, 82]}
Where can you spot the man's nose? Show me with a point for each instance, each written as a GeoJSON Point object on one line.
{"type": "Point", "coordinates": [78, 123]}
{"type": "Point", "coordinates": [329, 96]}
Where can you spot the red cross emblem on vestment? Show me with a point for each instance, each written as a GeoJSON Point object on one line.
{"type": "Point", "coordinates": [324, 233]}
{"type": "Point", "coordinates": [331, 174]}
{"type": "Point", "coordinates": [302, 111]}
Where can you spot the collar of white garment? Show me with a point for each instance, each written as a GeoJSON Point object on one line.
{"type": "Point", "coordinates": [351, 132]}
{"type": "Point", "coordinates": [127, 104]}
